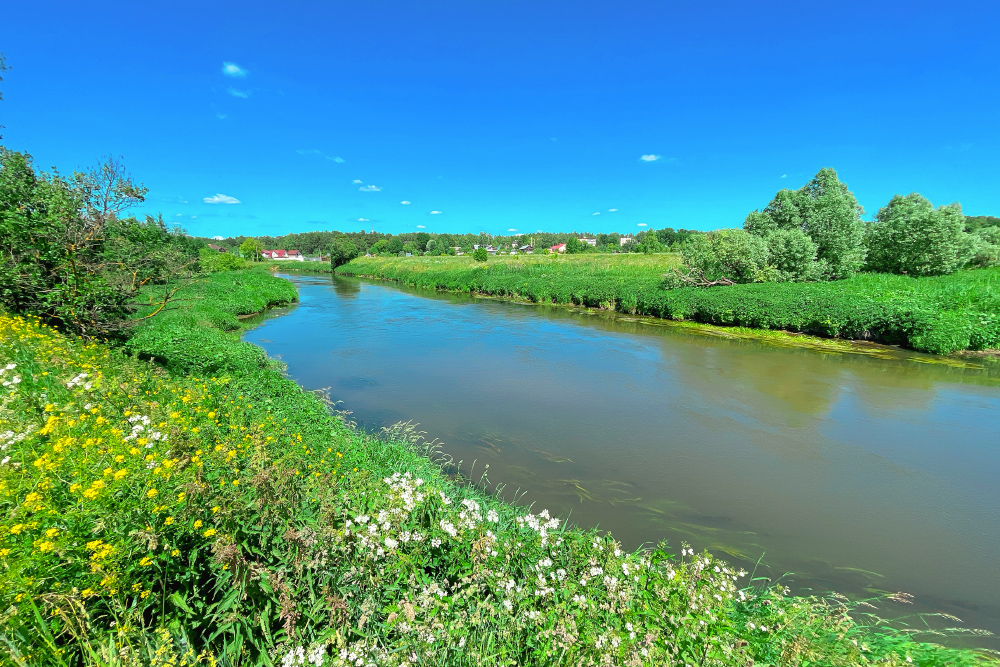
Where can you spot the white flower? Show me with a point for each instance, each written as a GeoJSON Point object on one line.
{"type": "Point", "coordinates": [391, 543]}
{"type": "Point", "coordinates": [492, 516]}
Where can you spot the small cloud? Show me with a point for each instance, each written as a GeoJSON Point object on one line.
{"type": "Point", "coordinates": [193, 217]}
{"type": "Point", "coordinates": [421, 226]}
{"type": "Point", "coordinates": [406, 203]}
{"type": "Point", "coordinates": [435, 212]}
{"type": "Point", "coordinates": [650, 158]}
{"type": "Point", "coordinates": [221, 116]}
{"type": "Point", "coordinates": [598, 213]}
{"type": "Point", "coordinates": [217, 238]}
{"type": "Point", "coordinates": [338, 160]}
{"type": "Point", "coordinates": [234, 70]}
{"type": "Point", "coordinates": [221, 199]}
{"type": "Point", "coordinates": [235, 92]}
{"type": "Point", "coordinates": [512, 230]}
{"type": "Point", "coordinates": [642, 224]}
{"type": "Point", "coordinates": [357, 182]}
{"type": "Point", "coordinates": [363, 220]}
{"type": "Point", "coordinates": [612, 210]}
{"type": "Point", "coordinates": [784, 175]}
{"type": "Point", "coordinates": [370, 188]}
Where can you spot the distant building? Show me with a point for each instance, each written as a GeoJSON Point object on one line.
{"type": "Point", "coordinates": [526, 248]}
{"type": "Point", "coordinates": [216, 248]}
{"type": "Point", "coordinates": [625, 239]}
{"type": "Point", "coordinates": [559, 247]}
{"type": "Point", "coordinates": [293, 255]}
{"type": "Point", "coordinates": [590, 242]}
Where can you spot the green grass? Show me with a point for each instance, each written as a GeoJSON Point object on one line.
{"type": "Point", "coordinates": [938, 314]}
{"type": "Point", "coordinates": [236, 526]}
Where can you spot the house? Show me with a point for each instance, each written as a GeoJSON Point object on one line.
{"type": "Point", "coordinates": [216, 248]}
{"type": "Point", "coordinates": [559, 247]}
{"type": "Point", "coordinates": [489, 248]}
{"type": "Point", "coordinates": [526, 248]}
{"type": "Point", "coordinates": [590, 242]}
{"type": "Point", "coordinates": [625, 239]}
{"type": "Point", "coordinates": [293, 255]}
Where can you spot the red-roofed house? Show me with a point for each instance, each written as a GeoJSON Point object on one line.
{"type": "Point", "coordinates": [293, 255]}
{"type": "Point", "coordinates": [560, 247]}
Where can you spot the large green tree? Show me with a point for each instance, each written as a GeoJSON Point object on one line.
{"type": "Point", "coordinates": [828, 213]}
{"type": "Point", "coordinates": [910, 236]}
{"type": "Point", "coordinates": [342, 251]}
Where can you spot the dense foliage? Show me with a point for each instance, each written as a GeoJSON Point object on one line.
{"type": "Point", "coordinates": [219, 514]}
{"type": "Point", "coordinates": [935, 314]}
{"type": "Point", "coordinates": [68, 256]}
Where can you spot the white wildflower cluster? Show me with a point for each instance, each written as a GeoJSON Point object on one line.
{"type": "Point", "coordinates": [363, 654]}
{"type": "Point", "coordinates": [541, 524]}
{"type": "Point", "coordinates": [14, 380]}
{"type": "Point", "coordinates": [8, 438]}
{"type": "Point", "coordinates": [139, 425]}
{"type": "Point", "coordinates": [300, 657]}
{"type": "Point", "coordinates": [80, 381]}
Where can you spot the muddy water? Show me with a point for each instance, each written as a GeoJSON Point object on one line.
{"type": "Point", "coordinates": [837, 471]}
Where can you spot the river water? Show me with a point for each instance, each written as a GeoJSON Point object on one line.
{"type": "Point", "coordinates": [836, 471]}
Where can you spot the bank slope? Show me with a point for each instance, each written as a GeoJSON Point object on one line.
{"type": "Point", "coordinates": [937, 314]}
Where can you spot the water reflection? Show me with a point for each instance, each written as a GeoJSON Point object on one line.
{"type": "Point", "coordinates": [853, 472]}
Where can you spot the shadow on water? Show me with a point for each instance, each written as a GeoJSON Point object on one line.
{"type": "Point", "coordinates": [855, 468]}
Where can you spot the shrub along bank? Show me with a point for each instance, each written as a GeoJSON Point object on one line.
{"type": "Point", "coordinates": [210, 510]}
{"type": "Point", "coordinates": [940, 314]}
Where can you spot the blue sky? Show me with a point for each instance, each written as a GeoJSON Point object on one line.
{"type": "Point", "coordinates": [496, 115]}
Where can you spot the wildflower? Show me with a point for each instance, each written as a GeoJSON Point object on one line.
{"type": "Point", "coordinates": [209, 532]}
{"type": "Point", "coordinates": [151, 493]}
{"type": "Point", "coordinates": [169, 520]}
{"type": "Point", "coordinates": [197, 524]}
{"type": "Point", "coordinates": [51, 532]}
{"type": "Point", "coordinates": [146, 561]}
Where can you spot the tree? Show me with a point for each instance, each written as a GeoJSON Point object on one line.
{"type": "Point", "coordinates": [727, 254]}
{"type": "Point", "coordinates": [910, 236]}
{"type": "Point", "coordinates": [650, 243]}
{"type": "Point", "coordinates": [395, 246]}
{"type": "Point", "coordinates": [480, 254]}
{"type": "Point", "coordinates": [829, 214]}
{"type": "Point", "coordinates": [379, 247]}
{"type": "Point", "coordinates": [342, 250]}
{"type": "Point", "coordinates": [251, 250]}
{"type": "Point", "coordinates": [792, 254]}
{"type": "Point", "coordinates": [107, 190]}
{"type": "Point", "coordinates": [573, 246]}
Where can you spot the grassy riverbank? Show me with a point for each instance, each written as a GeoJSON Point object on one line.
{"type": "Point", "coordinates": [936, 314]}
{"type": "Point", "coordinates": [209, 510]}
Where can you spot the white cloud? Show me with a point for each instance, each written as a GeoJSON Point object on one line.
{"type": "Point", "coordinates": [357, 182]}
{"type": "Point", "coordinates": [363, 220]}
{"type": "Point", "coordinates": [236, 92]}
{"type": "Point", "coordinates": [650, 158]}
{"type": "Point", "coordinates": [421, 226]}
{"type": "Point", "coordinates": [405, 202]}
{"type": "Point", "coordinates": [217, 238]}
{"type": "Point", "coordinates": [234, 70]}
{"type": "Point", "coordinates": [612, 210]}
{"type": "Point", "coordinates": [221, 199]}
{"type": "Point", "coordinates": [598, 213]}
{"type": "Point", "coordinates": [512, 230]}
{"type": "Point", "coordinates": [642, 224]}
{"type": "Point", "coordinates": [370, 188]}
{"type": "Point", "coordinates": [784, 175]}
{"type": "Point", "coordinates": [435, 212]}
{"type": "Point", "coordinates": [338, 160]}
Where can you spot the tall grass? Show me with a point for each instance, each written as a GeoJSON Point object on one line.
{"type": "Point", "coordinates": [197, 513]}
{"type": "Point", "coordinates": [936, 314]}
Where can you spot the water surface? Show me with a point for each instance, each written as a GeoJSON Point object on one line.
{"type": "Point", "coordinates": [851, 473]}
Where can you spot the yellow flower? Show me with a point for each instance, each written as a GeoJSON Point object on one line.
{"type": "Point", "coordinates": [45, 545]}
{"type": "Point", "coordinates": [146, 561]}
{"type": "Point", "coordinates": [16, 529]}
{"type": "Point", "coordinates": [175, 552]}
{"type": "Point", "coordinates": [87, 592]}
{"type": "Point", "coordinates": [121, 473]}
{"type": "Point", "coordinates": [151, 493]}
{"type": "Point", "coordinates": [73, 488]}
{"type": "Point", "coordinates": [209, 532]}
{"type": "Point", "coordinates": [4, 552]}
{"type": "Point", "coordinates": [215, 509]}
{"type": "Point", "coordinates": [51, 532]}
{"type": "Point", "coordinates": [181, 496]}
{"type": "Point", "coordinates": [169, 520]}
{"type": "Point", "coordinates": [31, 498]}
{"type": "Point", "coordinates": [236, 482]}
{"type": "Point", "coordinates": [197, 524]}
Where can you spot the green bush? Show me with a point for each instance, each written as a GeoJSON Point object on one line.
{"type": "Point", "coordinates": [480, 254]}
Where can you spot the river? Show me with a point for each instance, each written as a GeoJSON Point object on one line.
{"type": "Point", "coordinates": [835, 471]}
